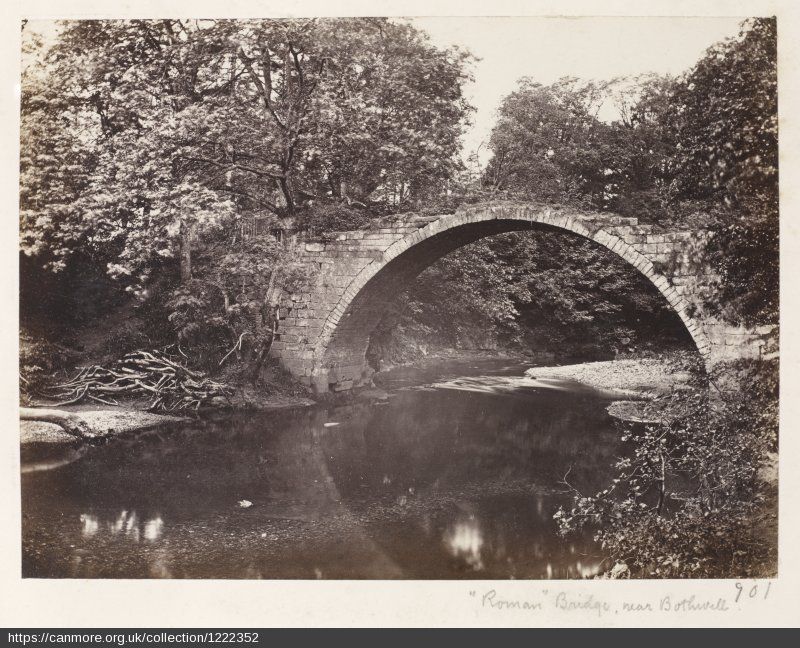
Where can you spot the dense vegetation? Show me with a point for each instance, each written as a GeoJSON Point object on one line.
{"type": "Point", "coordinates": [149, 147]}
{"type": "Point", "coordinates": [529, 292]}
{"type": "Point", "coordinates": [695, 494]}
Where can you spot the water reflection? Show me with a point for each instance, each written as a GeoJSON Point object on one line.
{"type": "Point", "coordinates": [126, 525]}
{"type": "Point", "coordinates": [446, 483]}
{"type": "Point", "coordinates": [464, 540]}
{"type": "Point", "coordinates": [153, 529]}
{"type": "Point", "coordinates": [518, 385]}
{"type": "Point", "coordinates": [91, 525]}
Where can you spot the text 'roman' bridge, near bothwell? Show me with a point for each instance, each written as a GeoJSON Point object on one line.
{"type": "Point", "coordinates": [323, 333]}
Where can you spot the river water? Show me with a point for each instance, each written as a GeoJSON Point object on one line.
{"type": "Point", "coordinates": [456, 475]}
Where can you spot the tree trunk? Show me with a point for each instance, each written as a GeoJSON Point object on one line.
{"type": "Point", "coordinates": [186, 252]}
{"type": "Point", "coordinates": [71, 423]}
{"type": "Point", "coordinates": [266, 344]}
{"type": "Point", "coordinates": [288, 195]}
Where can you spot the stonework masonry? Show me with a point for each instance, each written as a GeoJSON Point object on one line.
{"type": "Point", "coordinates": [324, 331]}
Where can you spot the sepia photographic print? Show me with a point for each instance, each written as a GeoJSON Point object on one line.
{"type": "Point", "coordinates": [423, 298]}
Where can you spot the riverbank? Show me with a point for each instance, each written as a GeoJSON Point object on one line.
{"type": "Point", "coordinates": [630, 378]}
{"type": "Point", "coordinates": [110, 421]}
{"type": "Point", "coordinates": [629, 381]}
{"type": "Point", "coordinates": [132, 414]}
{"type": "Point", "coordinates": [439, 356]}
{"type": "Point", "coordinates": [634, 383]}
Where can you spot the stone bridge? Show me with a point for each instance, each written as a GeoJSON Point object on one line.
{"type": "Point", "coordinates": [323, 332]}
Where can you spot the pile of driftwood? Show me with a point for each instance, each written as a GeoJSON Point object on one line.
{"type": "Point", "coordinates": [171, 385]}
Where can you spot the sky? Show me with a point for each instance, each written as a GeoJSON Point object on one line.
{"type": "Point", "coordinates": [547, 49]}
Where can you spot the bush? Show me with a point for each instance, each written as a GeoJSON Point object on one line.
{"type": "Point", "coordinates": [129, 337]}
{"type": "Point", "coordinates": [692, 496]}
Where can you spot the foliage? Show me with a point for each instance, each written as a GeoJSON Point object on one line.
{"type": "Point", "coordinates": [728, 148]}
{"type": "Point", "coordinates": [690, 495]}
{"type": "Point", "coordinates": [147, 143]}
{"type": "Point", "coordinates": [38, 361]}
{"type": "Point", "coordinates": [228, 304]}
{"type": "Point", "coordinates": [549, 144]}
{"type": "Point", "coordinates": [727, 120]}
{"type": "Point", "coordinates": [535, 291]}
{"type": "Point", "coordinates": [126, 338]}
{"type": "Point", "coordinates": [745, 252]}
{"type": "Point", "coordinates": [132, 127]}
{"type": "Point", "coordinates": [544, 143]}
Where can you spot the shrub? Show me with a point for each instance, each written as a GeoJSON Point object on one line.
{"type": "Point", "coordinates": [691, 497]}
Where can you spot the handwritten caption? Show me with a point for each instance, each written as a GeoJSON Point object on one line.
{"type": "Point", "coordinates": [583, 603]}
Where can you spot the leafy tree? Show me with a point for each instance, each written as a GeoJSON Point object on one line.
{"type": "Point", "coordinates": [148, 143]}
{"type": "Point", "coordinates": [544, 143]}
{"type": "Point", "coordinates": [727, 125]}
{"type": "Point", "coordinates": [641, 165]}
{"type": "Point", "coordinates": [700, 150]}
{"type": "Point", "coordinates": [191, 123]}
{"type": "Point", "coordinates": [707, 144]}
{"type": "Point", "coordinates": [727, 120]}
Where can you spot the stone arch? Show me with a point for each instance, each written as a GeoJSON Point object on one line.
{"type": "Point", "coordinates": [339, 352]}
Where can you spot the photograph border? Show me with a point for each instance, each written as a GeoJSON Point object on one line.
{"type": "Point", "coordinates": [284, 603]}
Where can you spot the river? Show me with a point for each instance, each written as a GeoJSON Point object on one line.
{"type": "Point", "coordinates": [456, 474]}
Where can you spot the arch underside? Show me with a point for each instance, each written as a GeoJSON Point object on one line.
{"type": "Point", "coordinates": [340, 352]}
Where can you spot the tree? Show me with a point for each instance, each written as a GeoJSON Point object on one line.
{"type": "Point", "coordinates": [726, 115]}
{"type": "Point", "coordinates": [700, 151]}
{"type": "Point", "coordinates": [640, 148]}
{"type": "Point", "coordinates": [689, 498]}
{"type": "Point", "coordinates": [544, 143]}
{"type": "Point", "coordinates": [727, 120]}
{"type": "Point", "coordinates": [147, 143]}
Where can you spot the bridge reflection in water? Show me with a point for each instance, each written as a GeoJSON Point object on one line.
{"type": "Point", "coordinates": [442, 482]}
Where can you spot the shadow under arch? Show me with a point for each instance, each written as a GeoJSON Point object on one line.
{"type": "Point", "coordinates": [339, 352]}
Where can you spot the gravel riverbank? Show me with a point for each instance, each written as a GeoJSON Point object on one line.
{"type": "Point", "coordinates": [634, 381]}
{"type": "Point", "coordinates": [639, 378]}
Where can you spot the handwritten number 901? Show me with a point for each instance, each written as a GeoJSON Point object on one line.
{"type": "Point", "coordinates": [752, 592]}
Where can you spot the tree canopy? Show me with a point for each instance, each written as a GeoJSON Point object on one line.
{"type": "Point", "coordinates": [134, 129]}
{"type": "Point", "coordinates": [149, 145]}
